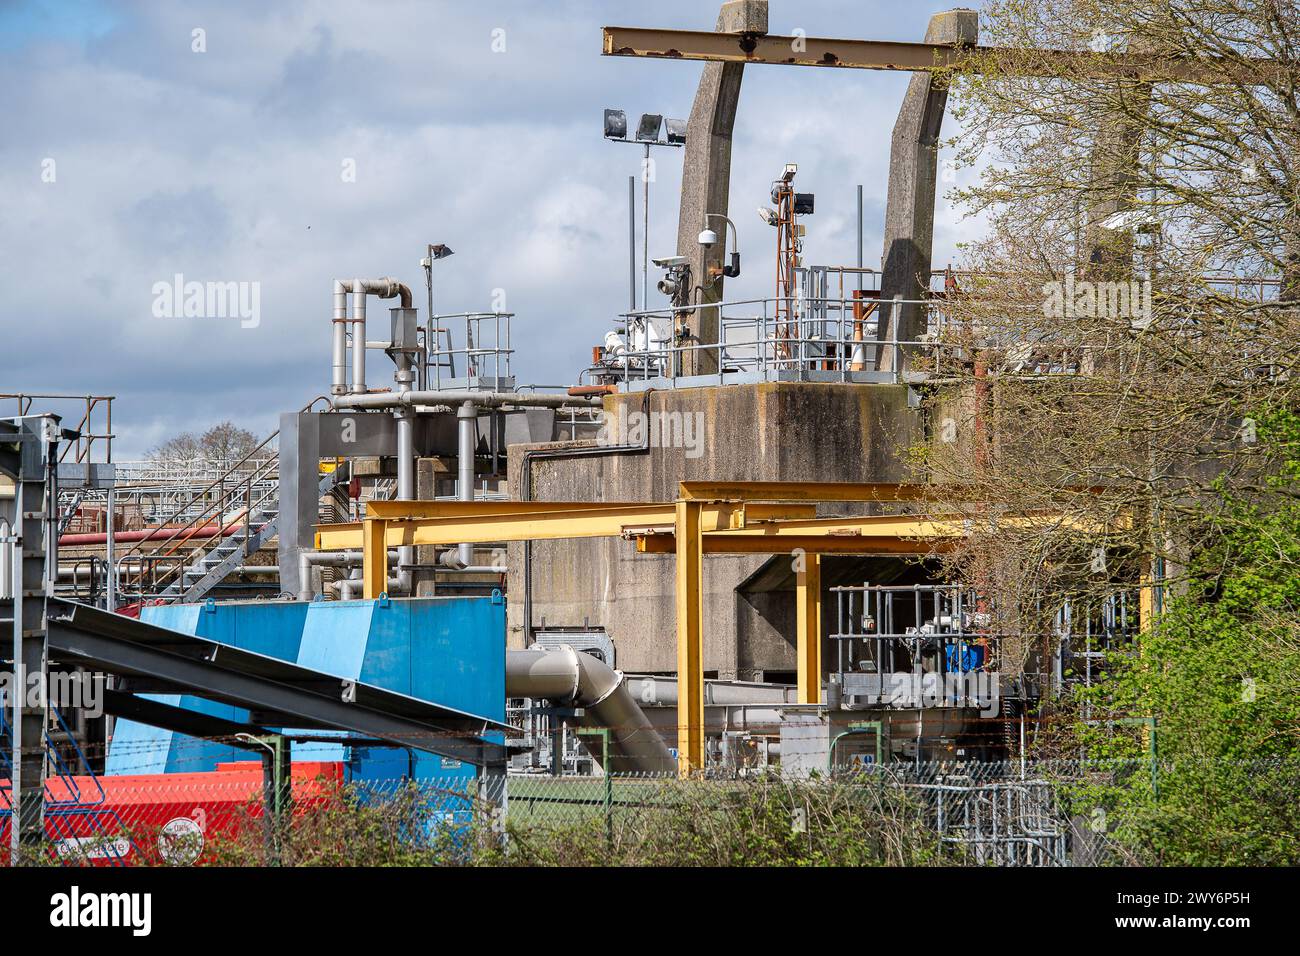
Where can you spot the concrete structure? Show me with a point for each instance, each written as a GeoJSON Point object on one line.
{"type": "Point", "coordinates": [913, 175]}
{"type": "Point", "coordinates": [706, 174]}
{"type": "Point", "coordinates": [772, 431]}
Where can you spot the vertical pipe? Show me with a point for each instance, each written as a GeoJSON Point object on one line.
{"type": "Point", "coordinates": [358, 337]}
{"type": "Point", "coordinates": [16, 783]}
{"type": "Point", "coordinates": [466, 421]}
{"type": "Point", "coordinates": [339, 364]}
{"type": "Point", "coordinates": [631, 243]}
{"type": "Point", "coordinates": [110, 582]}
{"type": "Point", "coordinates": [645, 229]}
{"type": "Point", "coordinates": [405, 485]}
{"type": "Point", "coordinates": [859, 238]}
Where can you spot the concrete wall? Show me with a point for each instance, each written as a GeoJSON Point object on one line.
{"type": "Point", "coordinates": [763, 432]}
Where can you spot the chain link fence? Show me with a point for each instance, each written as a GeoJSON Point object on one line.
{"type": "Point", "coordinates": [1006, 814]}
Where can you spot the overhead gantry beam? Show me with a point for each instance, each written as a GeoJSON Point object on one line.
{"type": "Point", "coordinates": [912, 57]}
{"type": "Point", "coordinates": [426, 523]}
{"type": "Point", "coordinates": [709, 518]}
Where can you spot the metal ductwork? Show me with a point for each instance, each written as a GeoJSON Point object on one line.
{"type": "Point", "coordinates": [572, 678]}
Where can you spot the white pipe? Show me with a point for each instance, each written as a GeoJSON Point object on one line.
{"type": "Point", "coordinates": [358, 337]}
{"type": "Point", "coordinates": [481, 399]}
{"type": "Point", "coordinates": [385, 288]}
{"type": "Point", "coordinates": [329, 559]}
{"type": "Point", "coordinates": [339, 363]}
{"type": "Point", "coordinates": [466, 422]}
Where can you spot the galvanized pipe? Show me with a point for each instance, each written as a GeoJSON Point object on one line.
{"type": "Point", "coordinates": [572, 678]}
{"type": "Point", "coordinates": [467, 424]}
{"type": "Point", "coordinates": [480, 399]}
{"type": "Point", "coordinates": [385, 288]}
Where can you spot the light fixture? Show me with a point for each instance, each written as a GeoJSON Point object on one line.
{"type": "Point", "coordinates": [438, 251]}
{"type": "Point", "coordinates": [769, 216]}
{"type": "Point", "coordinates": [803, 204]}
{"type": "Point", "coordinates": [615, 124]}
{"type": "Point", "coordinates": [676, 132]}
{"type": "Point", "coordinates": [647, 131]}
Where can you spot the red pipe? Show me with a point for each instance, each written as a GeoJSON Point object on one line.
{"type": "Point", "coordinates": [148, 534]}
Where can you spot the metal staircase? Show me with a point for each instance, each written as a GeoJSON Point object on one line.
{"type": "Point", "coordinates": [220, 561]}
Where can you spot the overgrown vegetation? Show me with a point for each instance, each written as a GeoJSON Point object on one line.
{"type": "Point", "coordinates": [1121, 359]}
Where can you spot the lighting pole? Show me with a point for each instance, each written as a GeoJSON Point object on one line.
{"type": "Point", "coordinates": [647, 135]}
{"type": "Point", "coordinates": [436, 251]}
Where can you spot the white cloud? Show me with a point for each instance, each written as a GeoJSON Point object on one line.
{"type": "Point", "coordinates": [226, 166]}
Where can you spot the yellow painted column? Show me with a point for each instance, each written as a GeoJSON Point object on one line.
{"type": "Point", "coordinates": [808, 642]}
{"type": "Point", "coordinates": [374, 558]}
{"type": "Point", "coordinates": [690, 639]}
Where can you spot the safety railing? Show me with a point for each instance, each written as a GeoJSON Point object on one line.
{"type": "Point", "coordinates": [481, 362]}
{"type": "Point", "coordinates": [94, 441]}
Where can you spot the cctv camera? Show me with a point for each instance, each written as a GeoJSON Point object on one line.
{"type": "Point", "coordinates": [708, 238]}
{"type": "Point", "coordinates": [670, 262]}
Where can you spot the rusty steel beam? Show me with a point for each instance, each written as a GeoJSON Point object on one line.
{"type": "Point", "coordinates": [912, 57]}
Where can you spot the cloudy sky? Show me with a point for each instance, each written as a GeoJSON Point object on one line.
{"type": "Point", "coordinates": [128, 157]}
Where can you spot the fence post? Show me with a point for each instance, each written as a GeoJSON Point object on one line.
{"type": "Point", "coordinates": [603, 734]}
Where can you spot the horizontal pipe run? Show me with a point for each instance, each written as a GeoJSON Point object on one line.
{"type": "Point", "coordinates": [148, 534]}
{"type": "Point", "coordinates": [483, 399]}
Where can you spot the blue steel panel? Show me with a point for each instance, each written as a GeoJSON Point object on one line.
{"type": "Point", "coordinates": [447, 650]}
{"type": "Point", "coordinates": [458, 653]}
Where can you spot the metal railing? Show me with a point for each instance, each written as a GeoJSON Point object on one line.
{"type": "Point", "coordinates": [94, 428]}
{"type": "Point", "coordinates": [483, 359]}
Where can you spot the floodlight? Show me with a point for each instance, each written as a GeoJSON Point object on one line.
{"type": "Point", "coordinates": [769, 216]}
{"type": "Point", "coordinates": [803, 204]}
{"type": "Point", "coordinates": [647, 130]}
{"type": "Point", "coordinates": [676, 132]}
{"type": "Point", "coordinates": [436, 252]}
{"type": "Point", "coordinates": [615, 124]}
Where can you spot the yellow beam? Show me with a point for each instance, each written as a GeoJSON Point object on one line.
{"type": "Point", "coordinates": [808, 639]}
{"type": "Point", "coordinates": [457, 509]}
{"type": "Point", "coordinates": [374, 559]}
{"type": "Point", "coordinates": [566, 521]}
{"type": "Point", "coordinates": [690, 639]}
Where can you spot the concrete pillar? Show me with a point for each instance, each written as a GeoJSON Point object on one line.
{"type": "Point", "coordinates": [706, 178]}
{"type": "Point", "coordinates": [913, 173]}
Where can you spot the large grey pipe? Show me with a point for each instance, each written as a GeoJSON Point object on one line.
{"type": "Point", "coordinates": [572, 678]}
{"type": "Point", "coordinates": [385, 288]}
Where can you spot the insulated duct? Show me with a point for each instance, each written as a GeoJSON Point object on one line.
{"type": "Point", "coordinates": [572, 678]}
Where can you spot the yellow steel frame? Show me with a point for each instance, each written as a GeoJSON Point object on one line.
{"type": "Point", "coordinates": [709, 518]}
{"type": "Point", "coordinates": [808, 641]}
{"type": "Point", "coordinates": [688, 533]}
